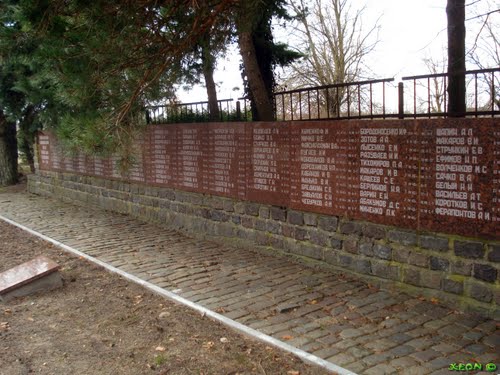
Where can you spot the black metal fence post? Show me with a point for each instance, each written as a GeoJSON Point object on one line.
{"type": "Point", "coordinates": [238, 110]}
{"type": "Point", "coordinates": [401, 100]}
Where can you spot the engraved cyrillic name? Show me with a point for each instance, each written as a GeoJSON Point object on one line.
{"type": "Point", "coordinates": [458, 154]}
{"type": "Point", "coordinates": [190, 158]}
{"type": "Point", "coordinates": [162, 149]}
{"type": "Point", "coordinates": [136, 166]}
{"type": "Point", "coordinates": [55, 154]}
{"type": "Point", "coordinates": [380, 165]}
{"type": "Point", "coordinates": [223, 160]}
{"type": "Point", "coordinates": [99, 169]}
{"type": "Point", "coordinates": [316, 167]}
{"type": "Point", "coordinates": [265, 151]}
{"type": "Point", "coordinates": [44, 149]}
{"type": "Point", "coordinates": [495, 199]}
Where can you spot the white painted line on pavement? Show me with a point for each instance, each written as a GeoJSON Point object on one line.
{"type": "Point", "coordinates": [305, 356]}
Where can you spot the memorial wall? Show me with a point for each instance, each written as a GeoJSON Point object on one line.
{"type": "Point", "coordinates": [439, 175]}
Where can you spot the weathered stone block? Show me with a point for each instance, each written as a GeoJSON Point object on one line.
{"type": "Point", "coordinates": [196, 199]}
{"type": "Point", "coordinates": [228, 205]}
{"type": "Point", "coordinates": [248, 222]}
{"type": "Point", "coordinates": [382, 251]}
{"type": "Point", "coordinates": [293, 247]}
{"type": "Point", "coordinates": [312, 251]}
{"type": "Point", "coordinates": [264, 212]}
{"type": "Point", "coordinates": [202, 212]}
{"type": "Point", "coordinates": [431, 279]}
{"type": "Point", "coordinates": [278, 213]}
{"type": "Point", "coordinates": [239, 208]}
{"type": "Point", "coordinates": [262, 238]}
{"type": "Point", "coordinates": [181, 208]}
{"type": "Point", "coordinates": [453, 286]}
{"type": "Point", "coordinates": [336, 243]}
{"type": "Point", "coordinates": [345, 260]}
{"type": "Point", "coordinates": [374, 231]}
{"type": "Point", "coordinates": [419, 259]}
{"type": "Point", "coordinates": [289, 244]}
{"type": "Point", "coordinates": [402, 237]}
{"type": "Point", "coordinates": [301, 234]}
{"type": "Point", "coordinates": [401, 254]}
{"type": "Point", "coordinates": [411, 276]}
{"type": "Point", "coordinates": [236, 219]}
{"type": "Point", "coordinates": [318, 237]}
{"type": "Point", "coordinates": [461, 268]}
{"type": "Point", "coordinates": [166, 194]}
{"type": "Point", "coordinates": [351, 245]}
{"type": "Point", "coordinates": [276, 242]}
{"type": "Point", "coordinates": [480, 292]}
{"type": "Point", "coordinates": [225, 230]}
{"type": "Point", "coordinates": [288, 231]}
{"type": "Point", "coordinates": [385, 270]}
{"type": "Point", "coordinates": [273, 227]}
{"type": "Point", "coordinates": [328, 223]}
{"type": "Point", "coordinates": [331, 257]}
{"type": "Point", "coordinates": [245, 234]}
{"type": "Point", "coordinates": [219, 215]}
{"type": "Point", "coordinates": [439, 264]}
{"type": "Point", "coordinates": [494, 254]}
{"type": "Point", "coordinates": [252, 208]}
{"type": "Point", "coordinates": [217, 203]}
{"type": "Point", "coordinates": [362, 266]}
{"type": "Point", "coordinates": [310, 219]}
{"type": "Point", "coordinates": [485, 272]}
{"type": "Point", "coordinates": [366, 248]}
{"type": "Point", "coordinates": [197, 225]}
{"type": "Point", "coordinates": [350, 227]}
{"type": "Point", "coordinates": [471, 250]}
{"type": "Point", "coordinates": [260, 225]}
{"type": "Point", "coordinates": [295, 217]}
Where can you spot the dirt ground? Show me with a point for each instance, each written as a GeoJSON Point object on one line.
{"type": "Point", "coordinates": [99, 323]}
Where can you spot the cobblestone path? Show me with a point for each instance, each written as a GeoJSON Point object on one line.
{"type": "Point", "coordinates": [338, 318]}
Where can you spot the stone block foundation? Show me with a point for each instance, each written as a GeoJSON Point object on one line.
{"type": "Point", "coordinates": [458, 271]}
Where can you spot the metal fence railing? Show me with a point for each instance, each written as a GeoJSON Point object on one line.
{"type": "Point", "coordinates": [354, 100]}
{"type": "Point", "coordinates": [428, 96]}
{"type": "Point", "coordinates": [413, 97]}
{"type": "Point", "coordinates": [189, 112]}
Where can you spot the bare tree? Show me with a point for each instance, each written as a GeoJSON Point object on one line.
{"type": "Point", "coordinates": [335, 42]}
{"type": "Point", "coordinates": [436, 85]}
{"type": "Point", "coordinates": [485, 53]}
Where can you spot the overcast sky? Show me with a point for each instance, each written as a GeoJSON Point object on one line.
{"type": "Point", "coordinates": [410, 31]}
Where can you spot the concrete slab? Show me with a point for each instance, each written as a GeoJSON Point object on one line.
{"type": "Point", "coordinates": [38, 274]}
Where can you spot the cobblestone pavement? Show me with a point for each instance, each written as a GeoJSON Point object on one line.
{"type": "Point", "coordinates": [338, 318]}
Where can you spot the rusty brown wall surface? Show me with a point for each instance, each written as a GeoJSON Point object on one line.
{"type": "Point", "coordinates": [439, 175]}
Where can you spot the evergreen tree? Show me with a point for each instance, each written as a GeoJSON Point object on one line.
{"type": "Point", "coordinates": [260, 53]}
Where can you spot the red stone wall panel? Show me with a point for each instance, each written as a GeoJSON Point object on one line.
{"type": "Point", "coordinates": [388, 172]}
{"type": "Point", "coordinates": [44, 143]}
{"type": "Point", "coordinates": [459, 177]}
{"type": "Point", "coordinates": [268, 170]}
{"type": "Point", "coordinates": [192, 149]}
{"type": "Point", "coordinates": [440, 175]}
{"type": "Point", "coordinates": [161, 155]}
{"type": "Point", "coordinates": [225, 161]}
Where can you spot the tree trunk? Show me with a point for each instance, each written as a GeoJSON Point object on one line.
{"type": "Point", "coordinates": [8, 152]}
{"type": "Point", "coordinates": [26, 138]}
{"type": "Point", "coordinates": [455, 11]}
{"type": "Point", "coordinates": [262, 100]}
{"type": "Point", "coordinates": [208, 72]}
{"type": "Point", "coordinates": [30, 158]}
